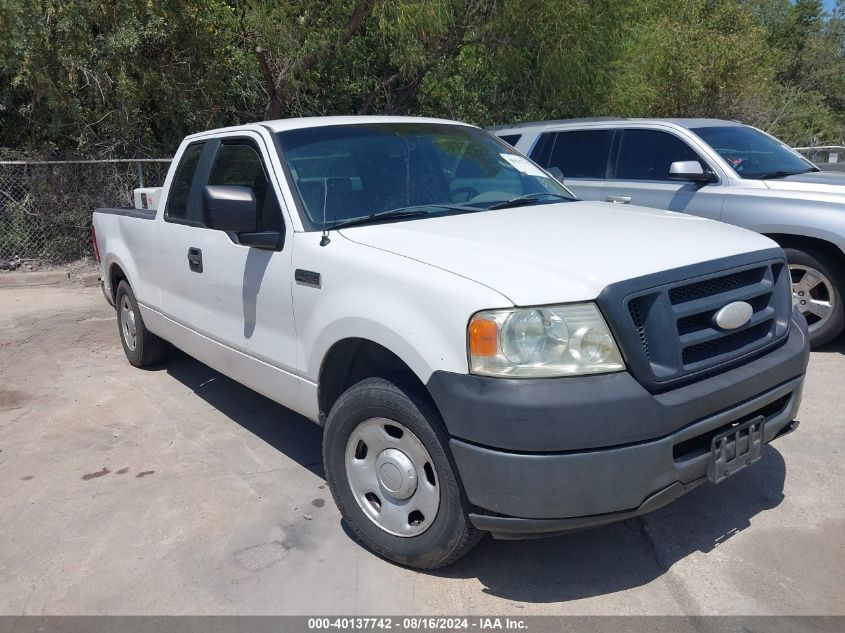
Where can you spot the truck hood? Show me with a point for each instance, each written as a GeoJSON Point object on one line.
{"type": "Point", "coordinates": [559, 252]}
{"type": "Point", "coordinates": [814, 182]}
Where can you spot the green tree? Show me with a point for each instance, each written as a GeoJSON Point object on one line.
{"type": "Point", "coordinates": [101, 77]}
{"type": "Point", "coordinates": [118, 77]}
{"type": "Point", "coordinates": [704, 58]}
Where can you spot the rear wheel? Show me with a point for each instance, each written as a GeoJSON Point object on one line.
{"type": "Point", "coordinates": [391, 475]}
{"type": "Point", "coordinates": [817, 286]}
{"type": "Point", "coordinates": [142, 347]}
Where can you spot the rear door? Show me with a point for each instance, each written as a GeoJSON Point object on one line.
{"type": "Point", "coordinates": [640, 175]}
{"type": "Point", "coordinates": [581, 155]}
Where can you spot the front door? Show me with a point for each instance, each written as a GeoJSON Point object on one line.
{"type": "Point", "coordinates": [235, 299]}
{"type": "Point", "coordinates": [640, 175]}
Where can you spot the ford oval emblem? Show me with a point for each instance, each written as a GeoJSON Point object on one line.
{"type": "Point", "coordinates": [733, 315]}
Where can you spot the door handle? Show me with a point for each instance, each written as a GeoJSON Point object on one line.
{"type": "Point", "coordinates": [619, 199]}
{"type": "Point", "coordinates": [195, 259]}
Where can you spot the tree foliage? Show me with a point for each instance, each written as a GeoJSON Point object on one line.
{"type": "Point", "coordinates": [121, 77]}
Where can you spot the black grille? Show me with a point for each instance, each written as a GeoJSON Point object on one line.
{"type": "Point", "coordinates": [695, 322]}
{"type": "Point", "coordinates": [674, 323]}
{"type": "Point", "coordinates": [732, 342]}
{"type": "Point", "coordinates": [717, 285]}
{"type": "Point", "coordinates": [637, 317]}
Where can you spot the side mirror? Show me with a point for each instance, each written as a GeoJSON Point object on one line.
{"type": "Point", "coordinates": [556, 173]}
{"type": "Point", "coordinates": [688, 170]}
{"type": "Point", "coordinates": [230, 208]}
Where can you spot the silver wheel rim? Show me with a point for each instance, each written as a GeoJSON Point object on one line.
{"type": "Point", "coordinates": [812, 293]}
{"type": "Point", "coordinates": [128, 329]}
{"type": "Point", "coordinates": [392, 477]}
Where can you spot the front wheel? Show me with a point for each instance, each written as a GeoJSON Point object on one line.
{"type": "Point", "coordinates": [817, 287]}
{"type": "Point", "coordinates": [389, 470]}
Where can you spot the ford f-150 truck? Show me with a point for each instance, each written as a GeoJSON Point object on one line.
{"type": "Point", "coordinates": [484, 352]}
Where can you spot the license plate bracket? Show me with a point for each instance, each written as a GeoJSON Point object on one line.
{"type": "Point", "coordinates": [735, 449]}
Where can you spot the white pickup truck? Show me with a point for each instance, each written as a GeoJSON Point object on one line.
{"type": "Point", "coordinates": [484, 352]}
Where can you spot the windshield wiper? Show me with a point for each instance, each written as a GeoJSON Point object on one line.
{"type": "Point", "coordinates": [528, 197]}
{"type": "Point", "coordinates": [402, 212]}
{"type": "Point", "coordinates": [783, 174]}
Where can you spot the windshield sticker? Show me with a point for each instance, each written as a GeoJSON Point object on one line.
{"type": "Point", "coordinates": [524, 165]}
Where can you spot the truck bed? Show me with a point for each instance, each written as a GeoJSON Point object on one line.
{"type": "Point", "coordinates": [144, 214]}
{"type": "Point", "coordinates": [126, 239]}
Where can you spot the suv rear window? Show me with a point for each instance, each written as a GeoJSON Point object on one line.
{"type": "Point", "coordinates": [581, 153]}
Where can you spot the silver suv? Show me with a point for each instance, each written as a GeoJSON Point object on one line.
{"type": "Point", "coordinates": [716, 169]}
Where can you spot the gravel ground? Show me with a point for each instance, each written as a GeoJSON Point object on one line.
{"type": "Point", "coordinates": [178, 491]}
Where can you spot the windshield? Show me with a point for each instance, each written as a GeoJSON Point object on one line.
{"type": "Point", "coordinates": [350, 172]}
{"type": "Point", "coordinates": [751, 153]}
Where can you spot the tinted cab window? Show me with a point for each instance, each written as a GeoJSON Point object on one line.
{"type": "Point", "coordinates": [239, 164]}
{"type": "Point", "coordinates": [647, 155]}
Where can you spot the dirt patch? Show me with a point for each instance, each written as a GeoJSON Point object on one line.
{"type": "Point", "coordinates": [11, 399]}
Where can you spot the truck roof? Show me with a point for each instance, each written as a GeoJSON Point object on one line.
{"type": "Point", "coordinates": [280, 125]}
{"type": "Point", "coordinates": [688, 122]}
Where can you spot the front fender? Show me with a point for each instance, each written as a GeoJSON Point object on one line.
{"type": "Point", "coordinates": [418, 312]}
{"type": "Point", "coordinates": [774, 212]}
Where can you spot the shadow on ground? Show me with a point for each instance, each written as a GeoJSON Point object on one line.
{"type": "Point", "coordinates": [286, 431]}
{"type": "Point", "coordinates": [603, 560]}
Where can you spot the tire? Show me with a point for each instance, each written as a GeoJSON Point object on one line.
{"type": "Point", "coordinates": [367, 410]}
{"type": "Point", "coordinates": [817, 284]}
{"type": "Point", "coordinates": [145, 348]}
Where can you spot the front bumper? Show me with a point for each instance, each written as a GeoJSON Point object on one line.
{"type": "Point", "coordinates": [552, 455]}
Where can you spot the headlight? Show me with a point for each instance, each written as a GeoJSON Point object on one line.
{"type": "Point", "coordinates": [562, 340]}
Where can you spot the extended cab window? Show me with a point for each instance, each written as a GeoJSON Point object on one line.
{"type": "Point", "coordinates": [647, 155]}
{"type": "Point", "coordinates": [239, 164]}
{"type": "Point", "coordinates": [180, 190]}
{"type": "Point", "coordinates": [581, 153]}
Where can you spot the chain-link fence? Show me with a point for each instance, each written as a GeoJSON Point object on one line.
{"type": "Point", "coordinates": [45, 206]}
